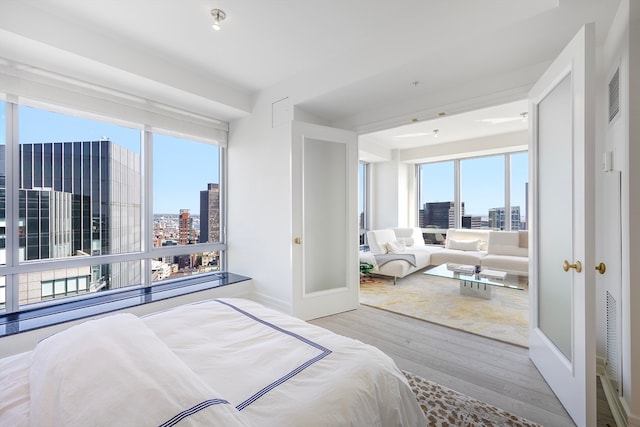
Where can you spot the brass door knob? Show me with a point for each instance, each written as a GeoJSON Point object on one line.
{"type": "Point", "coordinates": [297, 241]}
{"type": "Point", "coordinates": [566, 266]}
{"type": "Point", "coordinates": [601, 268]}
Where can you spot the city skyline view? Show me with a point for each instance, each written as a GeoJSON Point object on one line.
{"type": "Point", "coordinates": [482, 183]}
{"type": "Point", "coordinates": [172, 191]}
{"type": "Point", "coordinates": [80, 193]}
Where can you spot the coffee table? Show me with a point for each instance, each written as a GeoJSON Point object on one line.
{"type": "Point", "coordinates": [476, 284]}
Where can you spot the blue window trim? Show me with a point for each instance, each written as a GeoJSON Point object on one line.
{"type": "Point", "coordinates": [75, 309]}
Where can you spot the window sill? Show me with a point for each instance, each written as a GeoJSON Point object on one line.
{"type": "Point", "coordinates": [76, 309]}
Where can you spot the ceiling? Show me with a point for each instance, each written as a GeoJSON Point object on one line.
{"type": "Point", "coordinates": [360, 64]}
{"type": "Point", "coordinates": [494, 120]}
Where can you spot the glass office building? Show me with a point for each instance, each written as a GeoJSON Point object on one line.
{"type": "Point", "coordinates": [78, 199]}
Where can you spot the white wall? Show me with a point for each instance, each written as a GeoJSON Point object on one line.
{"type": "Point", "coordinates": [392, 190]}
{"type": "Point", "coordinates": [623, 47]}
{"type": "Point", "coordinates": [632, 322]}
{"type": "Point", "coordinates": [495, 144]}
{"type": "Point", "coordinates": [259, 202]}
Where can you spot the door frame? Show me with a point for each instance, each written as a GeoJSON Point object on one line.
{"type": "Point", "coordinates": [573, 381]}
{"type": "Point", "coordinates": [311, 305]}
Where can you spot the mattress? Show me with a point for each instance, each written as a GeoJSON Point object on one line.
{"type": "Point", "coordinates": [268, 368]}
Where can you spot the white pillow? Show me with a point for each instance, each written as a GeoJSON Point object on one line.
{"type": "Point", "coordinates": [141, 382]}
{"type": "Point", "coordinates": [396, 247]}
{"type": "Point", "coordinates": [408, 241]}
{"type": "Point", "coordinates": [463, 245]}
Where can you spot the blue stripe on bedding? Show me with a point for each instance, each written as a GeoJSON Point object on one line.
{"type": "Point", "coordinates": [324, 352]}
{"type": "Point", "coordinates": [188, 412]}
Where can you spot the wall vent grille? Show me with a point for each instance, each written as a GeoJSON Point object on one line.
{"type": "Point", "coordinates": [614, 95]}
{"type": "Point", "coordinates": [612, 340]}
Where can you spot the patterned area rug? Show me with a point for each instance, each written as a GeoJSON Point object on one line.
{"type": "Point", "coordinates": [445, 407]}
{"type": "Point", "coordinates": [505, 317]}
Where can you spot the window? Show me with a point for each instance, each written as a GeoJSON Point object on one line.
{"type": "Point", "coordinates": [482, 198]}
{"type": "Point", "coordinates": [437, 200]}
{"type": "Point", "coordinates": [363, 178]}
{"type": "Point", "coordinates": [482, 192]}
{"type": "Point", "coordinates": [88, 219]}
{"type": "Point", "coordinates": [79, 186]}
{"type": "Point", "coordinates": [519, 189]}
{"type": "Point", "coordinates": [186, 205]}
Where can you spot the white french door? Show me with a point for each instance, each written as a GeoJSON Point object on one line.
{"type": "Point", "coordinates": [325, 220]}
{"type": "Point", "coordinates": [562, 275]}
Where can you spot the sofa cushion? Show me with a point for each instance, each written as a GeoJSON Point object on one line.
{"type": "Point", "coordinates": [463, 245]}
{"type": "Point", "coordinates": [408, 241]}
{"type": "Point", "coordinates": [396, 247]}
{"type": "Point", "coordinates": [506, 243]}
{"type": "Point", "coordinates": [378, 240]}
{"type": "Point", "coordinates": [508, 263]}
{"type": "Point", "coordinates": [457, 256]}
{"type": "Point", "coordinates": [412, 236]}
{"type": "Point", "coordinates": [469, 234]}
{"type": "Point", "coordinates": [523, 240]}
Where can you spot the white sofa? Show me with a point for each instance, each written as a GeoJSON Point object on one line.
{"type": "Point", "coordinates": [388, 247]}
{"type": "Point", "coordinates": [463, 246]}
{"type": "Point", "coordinates": [397, 252]}
{"type": "Point", "coordinates": [508, 251]}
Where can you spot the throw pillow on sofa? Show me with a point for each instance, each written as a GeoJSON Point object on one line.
{"type": "Point", "coordinates": [396, 247]}
{"type": "Point", "coordinates": [408, 241]}
{"type": "Point", "coordinates": [462, 245]}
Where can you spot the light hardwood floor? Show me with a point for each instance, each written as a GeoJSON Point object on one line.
{"type": "Point", "coordinates": [495, 372]}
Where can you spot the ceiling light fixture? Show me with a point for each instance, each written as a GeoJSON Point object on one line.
{"type": "Point", "coordinates": [435, 133]}
{"type": "Point", "coordinates": [218, 16]}
{"type": "Point", "coordinates": [524, 116]}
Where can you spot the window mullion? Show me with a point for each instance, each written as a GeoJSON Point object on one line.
{"type": "Point", "coordinates": [147, 204]}
{"type": "Point", "coordinates": [507, 191]}
{"type": "Point", "coordinates": [456, 194]}
{"type": "Point", "coordinates": [222, 179]}
{"type": "Point", "coordinates": [11, 206]}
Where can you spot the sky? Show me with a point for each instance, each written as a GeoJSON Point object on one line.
{"type": "Point", "coordinates": [482, 183]}
{"type": "Point", "coordinates": [182, 168]}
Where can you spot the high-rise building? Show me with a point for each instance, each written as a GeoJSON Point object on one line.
{"type": "Point", "coordinates": [439, 215]}
{"type": "Point", "coordinates": [497, 218]}
{"type": "Point", "coordinates": [79, 199]}
{"type": "Point", "coordinates": [210, 214]}
{"type": "Point", "coordinates": [186, 234]}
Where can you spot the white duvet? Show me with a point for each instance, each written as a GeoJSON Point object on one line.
{"type": "Point", "coordinates": [219, 362]}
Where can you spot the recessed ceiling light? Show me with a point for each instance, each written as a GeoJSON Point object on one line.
{"type": "Point", "coordinates": [218, 16]}
{"type": "Point", "coordinates": [413, 135]}
{"type": "Point", "coordinates": [499, 120]}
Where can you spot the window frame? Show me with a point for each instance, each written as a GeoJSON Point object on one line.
{"type": "Point", "coordinates": [365, 192]}
{"type": "Point", "coordinates": [457, 184]}
{"type": "Point", "coordinates": [13, 268]}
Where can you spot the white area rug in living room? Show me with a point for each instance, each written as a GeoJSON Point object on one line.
{"type": "Point", "coordinates": [505, 317]}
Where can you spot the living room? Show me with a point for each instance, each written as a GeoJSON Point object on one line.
{"type": "Point", "coordinates": [455, 174]}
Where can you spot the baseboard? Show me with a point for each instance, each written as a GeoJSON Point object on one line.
{"type": "Point", "coordinates": [619, 411]}
{"type": "Point", "coordinates": [600, 365]}
{"type": "Point", "coordinates": [269, 301]}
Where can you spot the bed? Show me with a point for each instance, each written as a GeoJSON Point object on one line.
{"type": "Point", "coordinates": [223, 362]}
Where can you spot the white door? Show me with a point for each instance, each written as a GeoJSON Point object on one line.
{"type": "Point", "coordinates": [325, 220]}
{"type": "Point", "coordinates": [562, 275]}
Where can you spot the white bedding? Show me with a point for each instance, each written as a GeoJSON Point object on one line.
{"type": "Point", "coordinates": [275, 369]}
